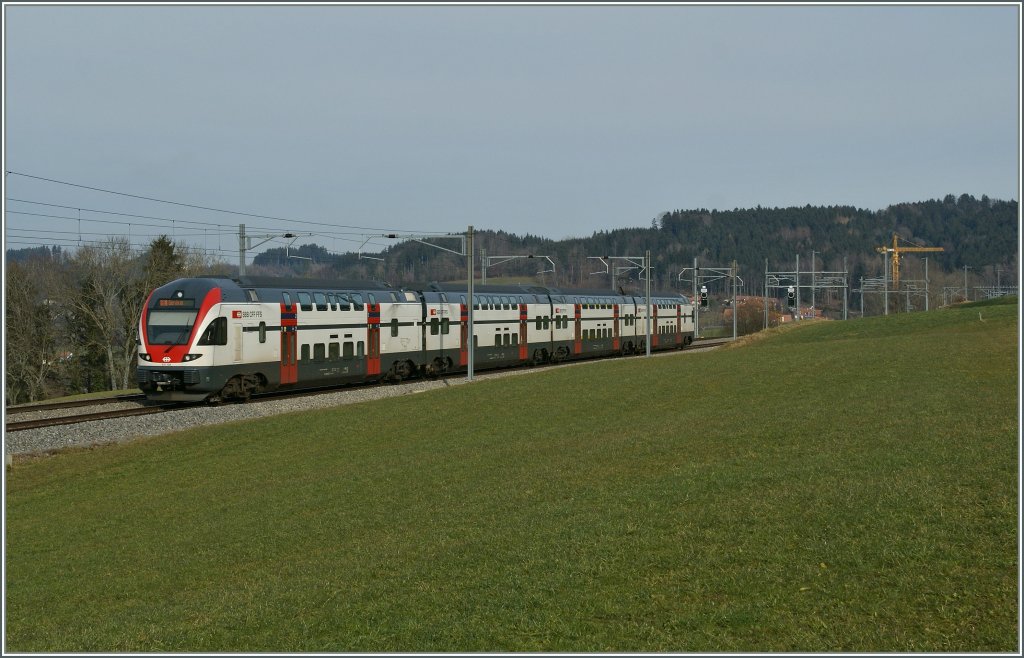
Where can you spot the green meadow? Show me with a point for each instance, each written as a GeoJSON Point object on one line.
{"type": "Point", "coordinates": [837, 486]}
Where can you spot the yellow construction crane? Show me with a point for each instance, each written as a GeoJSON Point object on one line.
{"type": "Point", "coordinates": [896, 250]}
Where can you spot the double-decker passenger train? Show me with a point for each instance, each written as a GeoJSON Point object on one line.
{"type": "Point", "coordinates": [218, 338]}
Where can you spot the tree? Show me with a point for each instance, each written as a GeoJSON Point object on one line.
{"type": "Point", "coordinates": [102, 292]}
{"type": "Point", "coordinates": [33, 349]}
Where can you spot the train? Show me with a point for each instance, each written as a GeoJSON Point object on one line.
{"type": "Point", "coordinates": [219, 338]}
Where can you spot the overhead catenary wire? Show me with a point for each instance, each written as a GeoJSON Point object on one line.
{"type": "Point", "coordinates": [212, 209]}
{"type": "Point", "coordinates": [224, 229]}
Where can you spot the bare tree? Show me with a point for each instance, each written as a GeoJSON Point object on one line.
{"type": "Point", "coordinates": [102, 291]}
{"type": "Point", "coordinates": [34, 352]}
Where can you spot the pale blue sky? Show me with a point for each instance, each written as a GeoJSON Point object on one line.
{"type": "Point", "coordinates": [551, 120]}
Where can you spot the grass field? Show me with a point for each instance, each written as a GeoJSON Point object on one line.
{"type": "Point", "coordinates": [839, 486]}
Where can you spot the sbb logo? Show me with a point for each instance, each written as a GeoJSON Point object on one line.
{"type": "Point", "coordinates": [236, 314]}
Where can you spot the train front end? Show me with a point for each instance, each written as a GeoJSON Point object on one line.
{"type": "Point", "coordinates": [175, 358]}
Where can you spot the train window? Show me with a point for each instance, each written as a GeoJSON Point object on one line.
{"type": "Point", "coordinates": [321, 301]}
{"type": "Point", "coordinates": [505, 304]}
{"type": "Point", "coordinates": [445, 325]}
{"type": "Point", "coordinates": [263, 332]}
{"type": "Point", "coordinates": [344, 304]}
{"type": "Point", "coordinates": [306, 301]}
{"type": "Point", "coordinates": [319, 352]}
{"type": "Point", "coordinates": [334, 351]}
{"type": "Point", "coordinates": [216, 333]}
{"type": "Point", "coordinates": [286, 298]}
{"type": "Point", "coordinates": [547, 322]}
{"type": "Point", "coordinates": [360, 349]}
{"type": "Point", "coordinates": [348, 349]}
{"type": "Point", "coordinates": [305, 353]}
{"type": "Point", "coordinates": [394, 327]}
{"type": "Point", "coordinates": [507, 339]}
{"type": "Point", "coordinates": [444, 298]}
{"type": "Point", "coordinates": [252, 295]}
{"type": "Point", "coordinates": [539, 321]}
{"type": "Point", "coordinates": [463, 298]}
{"type": "Point", "coordinates": [394, 297]}
{"type": "Point", "coordinates": [434, 326]}
{"type": "Point", "coordinates": [372, 299]}
{"type": "Point", "coordinates": [521, 300]}
{"type": "Point", "coordinates": [357, 301]}
{"type": "Point", "coordinates": [515, 339]}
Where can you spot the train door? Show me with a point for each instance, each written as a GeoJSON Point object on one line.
{"type": "Point", "coordinates": [654, 324]}
{"type": "Point", "coordinates": [578, 337]}
{"type": "Point", "coordinates": [679, 325]}
{"type": "Point", "coordinates": [373, 337]}
{"type": "Point", "coordinates": [289, 345]}
{"type": "Point", "coordinates": [523, 324]}
{"type": "Point", "coordinates": [615, 327]}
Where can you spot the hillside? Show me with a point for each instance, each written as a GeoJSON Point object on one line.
{"type": "Point", "coordinates": [623, 506]}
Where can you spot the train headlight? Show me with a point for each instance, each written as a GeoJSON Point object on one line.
{"type": "Point", "coordinates": [191, 357]}
{"type": "Point", "coordinates": [145, 357]}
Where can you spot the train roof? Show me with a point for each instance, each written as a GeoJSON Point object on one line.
{"type": "Point", "coordinates": [294, 283]}
{"type": "Point", "coordinates": [542, 290]}
{"type": "Point", "coordinates": [489, 288]}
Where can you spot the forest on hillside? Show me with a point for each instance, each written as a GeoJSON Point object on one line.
{"type": "Point", "coordinates": [981, 234]}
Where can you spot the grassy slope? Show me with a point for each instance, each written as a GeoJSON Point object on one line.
{"type": "Point", "coordinates": [841, 486]}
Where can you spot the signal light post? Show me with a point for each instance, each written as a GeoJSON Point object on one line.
{"type": "Point", "coordinates": [791, 281]}
{"type": "Point", "coordinates": [703, 276]}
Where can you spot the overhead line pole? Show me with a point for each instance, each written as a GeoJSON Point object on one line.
{"type": "Point", "coordinates": [471, 348]}
{"type": "Point", "coordinates": [647, 265]}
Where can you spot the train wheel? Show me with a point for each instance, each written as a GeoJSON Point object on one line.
{"type": "Point", "coordinates": [436, 367]}
{"type": "Point", "coordinates": [239, 387]}
{"type": "Point", "coordinates": [399, 370]}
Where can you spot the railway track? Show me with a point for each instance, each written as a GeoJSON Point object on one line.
{"type": "Point", "coordinates": [144, 410]}
{"type": "Point", "coordinates": [72, 419]}
{"type": "Point", "coordinates": [95, 402]}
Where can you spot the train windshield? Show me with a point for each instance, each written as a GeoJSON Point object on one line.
{"type": "Point", "coordinates": [169, 327]}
